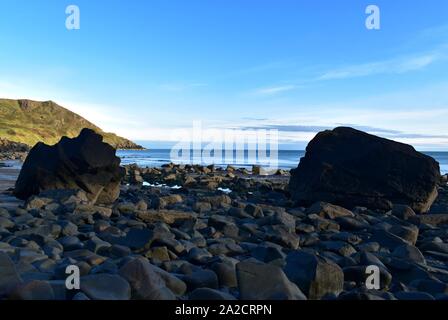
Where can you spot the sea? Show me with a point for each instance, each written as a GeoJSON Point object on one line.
{"type": "Point", "coordinates": [286, 159]}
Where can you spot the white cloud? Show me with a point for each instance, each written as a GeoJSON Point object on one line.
{"type": "Point", "coordinates": [392, 66]}
{"type": "Point", "coordinates": [418, 114]}
{"type": "Point", "coordinates": [274, 90]}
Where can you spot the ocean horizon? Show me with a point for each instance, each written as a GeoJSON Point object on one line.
{"type": "Point", "coordinates": [287, 159]}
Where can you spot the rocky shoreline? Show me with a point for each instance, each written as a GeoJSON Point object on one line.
{"type": "Point", "coordinates": [202, 232]}
{"type": "Point", "coordinates": [10, 150]}
{"type": "Point", "coordinates": [195, 242]}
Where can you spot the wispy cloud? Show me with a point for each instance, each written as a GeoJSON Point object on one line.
{"type": "Point", "coordinates": [314, 128]}
{"type": "Point", "coordinates": [269, 91]}
{"type": "Point", "coordinates": [254, 119]}
{"type": "Point", "coordinates": [396, 65]}
{"type": "Point", "coordinates": [299, 134]}
{"type": "Point", "coordinates": [414, 116]}
{"type": "Point", "coordinates": [392, 66]}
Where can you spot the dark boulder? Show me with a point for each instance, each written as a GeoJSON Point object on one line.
{"type": "Point", "coordinates": [351, 168]}
{"type": "Point", "coordinates": [9, 276]}
{"type": "Point", "coordinates": [313, 274]}
{"type": "Point", "coordinates": [263, 281]}
{"type": "Point", "coordinates": [84, 162]}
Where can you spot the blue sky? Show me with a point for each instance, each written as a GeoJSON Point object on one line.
{"type": "Point", "coordinates": [143, 68]}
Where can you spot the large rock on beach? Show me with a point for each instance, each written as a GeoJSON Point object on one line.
{"type": "Point", "coordinates": [84, 163]}
{"type": "Point", "coordinates": [315, 276]}
{"type": "Point", "coordinates": [259, 281]}
{"type": "Point", "coordinates": [146, 284]}
{"type": "Point", "coordinates": [105, 287]}
{"type": "Point", "coordinates": [9, 277]}
{"type": "Point", "coordinates": [351, 168]}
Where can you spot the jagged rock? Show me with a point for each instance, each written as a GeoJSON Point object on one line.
{"type": "Point", "coordinates": [387, 239]}
{"type": "Point", "coordinates": [408, 233]}
{"type": "Point", "coordinates": [6, 223]}
{"type": "Point", "coordinates": [349, 223]}
{"type": "Point", "coordinates": [226, 274]}
{"type": "Point", "coordinates": [431, 219]}
{"type": "Point", "coordinates": [280, 234]}
{"type": "Point", "coordinates": [146, 284]}
{"type": "Point", "coordinates": [253, 210]}
{"type": "Point", "coordinates": [136, 239]}
{"type": "Point", "coordinates": [259, 281]}
{"type": "Point", "coordinates": [9, 277]}
{"type": "Point", "coordinates": [199, 255]}
{"type": "Point", "coordinates": [409, 253]}
{"type": "Point", "coordinates": [84, 162]}
{"type": "Point", "coordinates": [328, 210]}
{"type": "Point", "coordinates": [267, 253]}
{"type": "Point", "coordinates": [105, 287]}
{"type": "Point", "coordinates": [201, 279]}
{"type": "Point", "coordinates": [67, 197]}
{"type": "Point", "coordinates": [403, 212]}
{"type": "Point", "coordinates": [315, 276]}
{"type": "Point", "coordinates": [200, 206]}
{"type": "Point", "coordinates": [224, 224]}
{"type": "Point", "coordinates": [351, 168]}
{"type": "Point", "coordinates": [33, 290]}
{"type": "Point", "coordinates": [167, 216]}
{"type": "Point", "coordinates": [172, 282]}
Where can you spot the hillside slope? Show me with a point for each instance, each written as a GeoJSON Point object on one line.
{"type": "Point", "coordinates": [29, 122]}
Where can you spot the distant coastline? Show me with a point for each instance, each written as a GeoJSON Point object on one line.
{"type": "Point", "coordinates": [155, 158]}
{"type": "Point", "coordinates": [288, 159]}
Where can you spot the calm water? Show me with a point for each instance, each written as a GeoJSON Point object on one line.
{"type": "Point", "coordinates": [287, 159]}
